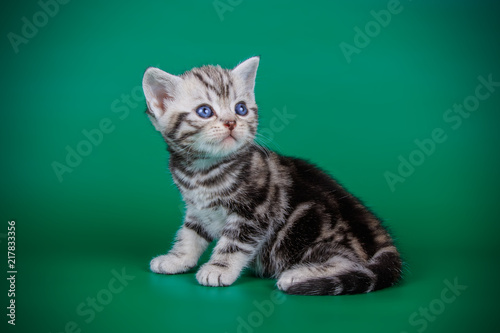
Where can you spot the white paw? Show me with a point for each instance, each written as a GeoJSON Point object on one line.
{"type": "Point", "coordinates": [216, 276]}
{"type": "Point", "coordinates": [170, 264]}
{"type": "Point", "coordinates": [292, 276]}
{"type": "Point", "coordinates": [285, 281]}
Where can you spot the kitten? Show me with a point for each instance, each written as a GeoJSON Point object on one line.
{"type": "Point", "coordinates": [280, 215]}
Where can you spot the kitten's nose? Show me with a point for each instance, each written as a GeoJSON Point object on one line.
{"type": "Point", "coordinates": [231, 124]}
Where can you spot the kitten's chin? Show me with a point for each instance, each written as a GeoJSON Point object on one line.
{"type": "Point", "coordinates": [228, 146]}
{"type": "Point", "coordinates": [229, 142]}
{"type": "Point", "coordinates": [225, 147]}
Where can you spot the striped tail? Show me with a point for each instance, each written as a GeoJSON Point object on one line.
{"type": "Point", "coordinates": [342, 276]}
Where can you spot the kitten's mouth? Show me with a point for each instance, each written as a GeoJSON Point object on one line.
{"type": "Point", "coordinates": [228, 139]}
{"type": "Point", "coordinates": [229, 143]}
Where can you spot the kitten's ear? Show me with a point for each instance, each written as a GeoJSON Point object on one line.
{"type": "Point", "coordinates": [247, 70]}
{"type": "Point", "coordinates": [159, 88]}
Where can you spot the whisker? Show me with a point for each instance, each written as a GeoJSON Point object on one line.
{"type": "Point", "coordinates": [267, 142]}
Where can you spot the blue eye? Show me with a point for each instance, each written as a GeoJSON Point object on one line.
{"type": "Point", "coordinates": [241, 109]}
{"type": "Point", "coordinates": [204, 111]}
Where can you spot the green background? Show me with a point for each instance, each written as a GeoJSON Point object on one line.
{"type": "Point", "coordinates": [118, 207]}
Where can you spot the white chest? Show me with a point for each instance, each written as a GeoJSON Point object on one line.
{"type": "Point", "coordinates": [212, 219]}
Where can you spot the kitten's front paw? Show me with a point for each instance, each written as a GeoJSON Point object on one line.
{"type": "Point", "coordinates": [170, 264]}
{"type": "Point", "coordinates": [216, 275]}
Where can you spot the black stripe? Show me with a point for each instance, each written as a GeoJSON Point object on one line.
{"type": "Point", "coordinates": [351, 283]}
{"type": "Point", "coordinates": [224, 84]}
{"type": "Point", "coordinates": [356, 215]}
{"type": "Point", "coordinates": [221, 84]}
{"type": "Point", "coordinates": [355, 282]}
{"type": "Point", "coordinates": [231, 190]}
{"type": "Point", "coordinates": [199, 230]}
{"type": "Point", "coordinates": [233, 92]}
{"type": "Point", "coordinates": [260, 195]}
{"type": "Point", "coordinates": [182, 182]}
{"type": "Point", "coordinates": [207, 85]}
{"type": "Point", "coordinates": [212, 181]}
{"type": "Point", "coordinates": [177, 124]}
{"type": "Point", "coordinates": [245, 233]}
{"type": "Point", "coordinates": [233, 248]}
{"type": "Point", "coordinates": [208, 96]}
{"type": "Point", "coordinates": [177, 164]}
{"type": "Point", "coordinates": [194, 124]}
{"type": "Point", "coordinates": [301, 235]}
{"type": "Point", "coordinates": [214, 204]}
{"type": "Point", "coordinates": [235, 170]}
{"type": "Point", "coordinates": [187, 135]}
{"type": "Point", "coordinates": [217, 165]}
{"type": "Point", "coordinates": [229, 85]}
{"type": "Point", "coordinates": [223, 90]}
{"type": "Point", "coordinates": [220, 264]}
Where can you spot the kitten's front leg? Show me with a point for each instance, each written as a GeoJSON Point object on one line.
{"type": "Point", "coordinates": [191, 242]}
{"type": "Point", "coordinates": [234, 250]}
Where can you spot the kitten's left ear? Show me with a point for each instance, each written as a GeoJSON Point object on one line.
{"type": "Point", "coordinates": [247, 70]}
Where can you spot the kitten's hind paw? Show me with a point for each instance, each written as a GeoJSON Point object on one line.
{"type": "Point", "coordinates": [216, 275]}
{"type": "Point", "coordinates": [170, 264]}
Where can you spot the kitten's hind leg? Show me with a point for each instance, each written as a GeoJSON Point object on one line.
{"type": "Point", "coordinates": [189, 246]}
{"type": "Point", "coordinates": [338, 276]}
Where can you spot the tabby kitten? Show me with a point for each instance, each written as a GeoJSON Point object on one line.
{"type": "Point", "coordinates": [282, 216]}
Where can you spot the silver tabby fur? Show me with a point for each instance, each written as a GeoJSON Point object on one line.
{"type": "Point", "coordinates": [281, 216]}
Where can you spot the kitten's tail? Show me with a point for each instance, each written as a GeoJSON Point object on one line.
{"type": "Point", "coordinates": [342, 276]}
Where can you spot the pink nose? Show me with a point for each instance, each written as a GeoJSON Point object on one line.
{"type": "Point", "coordinates": [230, 124]}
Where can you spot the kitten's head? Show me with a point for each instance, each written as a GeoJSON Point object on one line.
{"type": "Point", "coordinates": [207, 111]}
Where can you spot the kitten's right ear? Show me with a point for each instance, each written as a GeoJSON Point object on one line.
{"type": "Point", "coordinates": [159, 88]}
